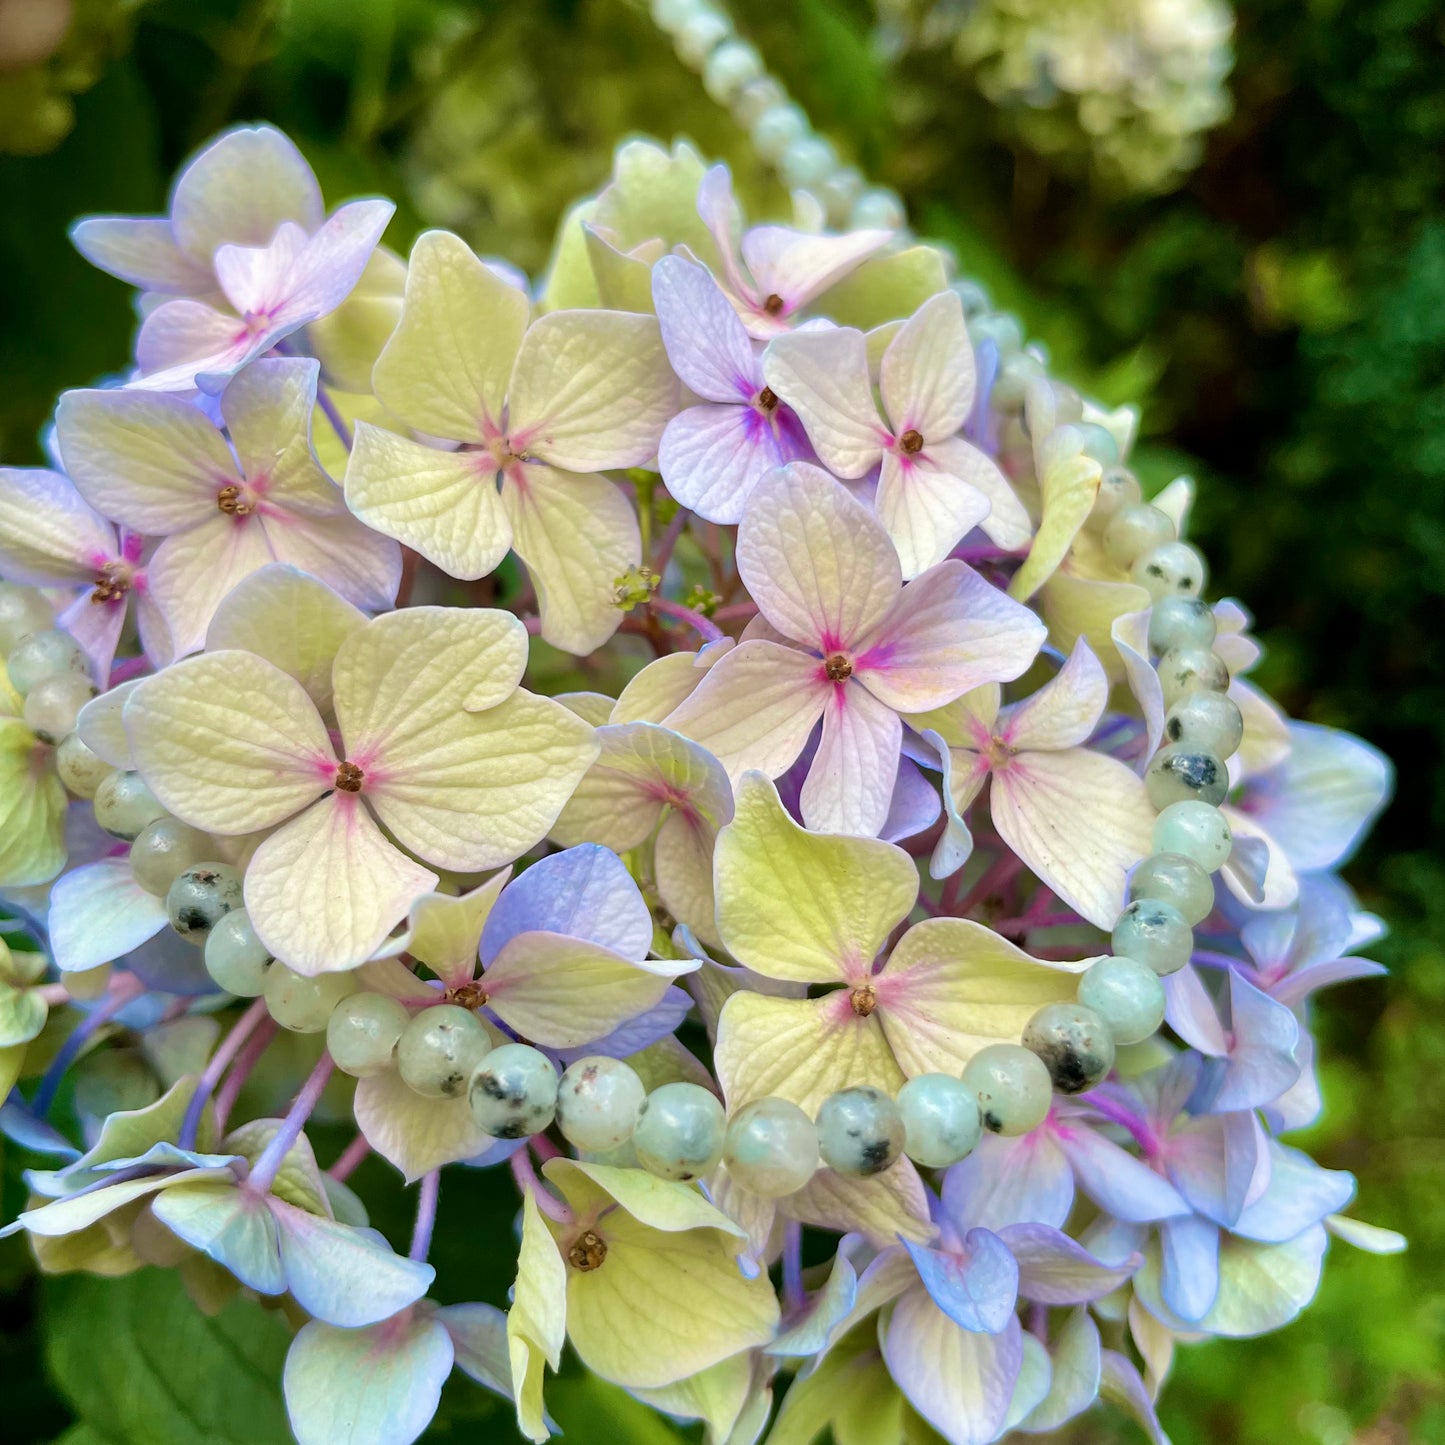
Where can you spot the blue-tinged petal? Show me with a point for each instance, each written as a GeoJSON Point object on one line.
{"type": "Point", "coordinates": [961, 1382]}
{"type": "Point", "coordinates": [1120, 1382]}
{"type": "Point", "coordinates": [1036, 1374]}
{"type": "Point", "coordinates": [374, 1386]}
{"type": "Point", "coordinates": [1219, 1163]}
{"type": "Point", "coordinates": [1264, 1286]}
{"type": "Point", "coordinates": [1300, 1194]}
{"type": "Point", "coordinates": [809, 1330]}
{"type": "Point", "coordinates": [976, 1289]}
{"type": "Point", "coordinates": [232, 1226]}
{"type": "Point", "coordinates": [915, 804]}
{"type": "Point", "coordinates": [1262, 1063]}
{"type": "Point", "coordinates": [479, 1338]}
{"type": "Point", "coordinates": [342, 1275]}
{"type": "Point", "coordinates": [21, 1127]}
{"type": "Point", "coordinates": [1115, 1180]}
{"type": "Point", "coordinates": [1077, 1367]}
{"type": "Point", "coordinates": [1056, 1270]}
{"type": "Point", "coordinates": [99, 913]}
{"type": "Point", "coordinates": [1189, 1265]}
{"type": "Point", "coordinates": [1005, 1181]}
{"type": "Point", "coordinates": [639, 1032]}
{"type": "Point", "coordinates": [584, 891]}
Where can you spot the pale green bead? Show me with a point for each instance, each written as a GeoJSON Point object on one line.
{"type": "Point", "coordinates": [1068, 409]}
{"type": "Point", "coordinates": [1127, 995]}
{"type": "Point", "coordinates": [235, 958]}
{"type": "Point", "coordinates": [200, 897]}
{"type": "Point", "coordinates": [1099, 443]}
{"type": "Point", "coordinates": [1186, 670]}
{"type": "Point", "coordinates": [941, 1120]}
{"type": "Point", "coordinates": [860, 1131]}
{"type": "Point", "coordinates": [839, 193]}
{"type": "Point", "coordinates": [771, 1147]}
{"type": "Point", "coordinates": [124, 805]}
{"type": "Point", "coordinates": [513, 1092]}
{"type": "Point", "coordinates": [777, 128]}
{"type": "Point", "coordinates": [1173, 569]}
{"type": "Point", "coordinates": [79, 769]}
{"type": "Point", "coordinates": [1210, 722]}
{"type": "Point", "coordinates": [730, 67]}
{"type": "Point", "coordinates": [878, 209]}
{"type": "Point", "coordinates": [45, 654]}
{"type": "Point", "coordinates": [1181, 622]}
{"type": "Point", "coordinates": [1014, 378]}
{"type": "Point", "coordinates": [672, 15]}
{"type": "Point", "coordinates": [597, 1103]}
{"type": "Point", "coordinates": [23, 610]}
{"type": "Point", "coordinates": [699, 33]}
{"type": "Point", "coordinates": [1136, 530]}
{"type": "Point", "coordinates": [1154, 933]}
{"type": "Point", "coordinates": [363, 1032]}
{"type": "Point", "coordinates": [1180, 774]}
{"type": "Point", "coordinates": [53, 704]}
{"type": "Point", "coordinates": [1012, 1086]}
{"type": "Point", "coordinates": [680, 1131]}
{"type": "Point", "coordinates": [1118, 488]}
{"type": "Point", "coordinates": [756, 97]}
{"type": "Point", "coordinates": [807, 161]}
{"type": "Point", "coordinates": [1176, 879]}
{"type": "Point", "coordinates": [301, 1003]}
{"type": "Point", "coordinates": [1000, 328]}
{"type": "Point", "coordinates": [1197, 830]}
{"type": "Point", "coordinates": [1074, 1044]}
{"type": "Point", "coordinates": [164, 849]}
{"type": "Point", "coordinates": [439, 1049]}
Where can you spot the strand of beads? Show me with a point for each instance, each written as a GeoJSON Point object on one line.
{"type": "Point", "coordinates": [735, 76]}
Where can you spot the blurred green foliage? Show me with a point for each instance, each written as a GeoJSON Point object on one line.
{"type": "Point", "coordinates": [1281, 318]}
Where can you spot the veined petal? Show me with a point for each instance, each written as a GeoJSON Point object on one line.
{"type": "Point", "coordinates": [184, 345]}
{"type": "Point", "coordinates": [705, 341]}
{"type": "Point", "coordinates": [101, 726]}
{"type": "Point", "coordinates": [976, 1289]}
{"type": "Point", "coordinates": [823, 376]}
{"type": "Point", "coordinates": [1056, 1270]}
{"type": "Point", "coordinates": [193, 570]}
{"type": "Point", "coordinates": [332, 261]}
{"type": "Point", "coordinates": [927, 509]}
{"type": "Point", "coordinates": [48, 533]}
{"type": "Point", "coordinates": [755, 707]}
{"type": "Point", "coordinates": [537, 1320]}
{"type": "Point", "coordinates": [1065, 711]}
{"type": "Point", "coordinates": [141, 250]}
{"type": "Point", "coordinates": [342, 552]}
{"type": "Point", "coordinates": [239, 189]}
{"type": "Point", "coordinates": [1068, 484]}
{"type": "Point", "coordinates": [884, 1208]}
{"type": "Point", "coordinates": [446, 367]}
{"type": "Point", "coordinates": [815, 561]}
{"type": "Point", "coordinates": [948, 633]}
{"type": "Point", "coordinates": [713, 456]}
{"type": "Point", "coordinates": [1115, 1180]}
{"type": "Point", "coordinates": [682, 856]}
{"type": "Point", "coordinates": [99, 913]}
{"type": "Point", "coordinates": [666, 683]}
{"type": "Point", "coordinates": [442, 504]}
{"type": "Point", "coordinates": [591, 390]}
{"type": "Point", "coordinates": [97, 627]}
{"type": "Point", "coordinates": [802, 1050]}
{"type": "Point", "coordinates": [267, 410]}
{"type": "Point", "coordinates": [849, 786]}
{"type": "Point", "coordinates": [1010, 1181]}
{"type": "Point", "coordinates": [952, 986]}
{"type": "Point", "coordinates": [959, 1381]}
{"type": "Point", "coordinates": [415, 1133]}
{"type": "Point", "coordinates": [798, 266]}
{"type": "Point", "coordinates": [289, 618]}
{"type": "Point", "coordinates": [927, 378]}
{"type": "Point", "coordinates": [563, 992]}
{"type": "Point", "coordinates": [800, 906]}
{"type": "Point", "coordinates": [254, 279]}
{"type": "Point", "coordinates": [1081, 820]}
{"type": "Point", "coordinates": [577, 535]}
{"type": "Point", "coordinates": [443, 930]}
{"type": "Point", "coordinates": [1077, 1367]}
{"type": "Point", "coordinates": [231, 1226]}
{"type": "Point", "coordinates": [1007, 524]}
{"type": "Point", "coordinates": [1130, 634]}
{"type": "Point", "coordinates": [228, 742]}
{"type": "Point", "coordinates": [471, 791]}
{"type": "Point", "coordinates": [326, 889]}
{"type": "Point", "coordinates": [152, 462]}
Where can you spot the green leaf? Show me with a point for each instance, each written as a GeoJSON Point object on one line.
{"type": "Point", "coordinates": [140, 1365]}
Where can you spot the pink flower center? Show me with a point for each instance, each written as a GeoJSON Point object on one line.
{"type": "Point", "coordinates": [348, 778]}
{"type": "Point", "coordinates": [838, 667]}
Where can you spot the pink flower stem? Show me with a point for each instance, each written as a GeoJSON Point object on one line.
{"type": "Point", "coordinates": [426, 1216]}
{"type": "Point", "coordinates": [529, 1183]}
{"type": "Point", "coordinates": [707, 630]}
{"type": "Point", "coordinates": [130, 668]}
{"type": "Point", "coordinates": [246, 1061]}
{"type": "Point", "coordinates": [333, 415]}
{"type": "Point", "coordinates": [241, 1030]}
{"type": "Point", "coordinates": [1118, 1114]}
{"type": "Point", "coordinates": [124, 987]}
{"type": "Point", "coordinates": [349, 1158]}
{"type": "Point", "coordinates": [794, 1296]}
{"type": "Point", "coordinates": [735, 611]}
{"type": "Point", "coordinates": [268, 1166]}
{"type": "Point", "coordinates": [996, 877]}
{"type": "Point", "coordinates": [533, 625]}
{"type": "Point", "coordinates": [663, 554]}
{"type": "Point", "coordinates": [544, 1148]}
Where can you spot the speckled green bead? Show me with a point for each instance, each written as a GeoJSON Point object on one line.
{"type": "Point", "coordinates": [771, 1147]}
{"type": "Point", "coordinates": [236, 959]}
{"type": "Point", "coordinates": [1176, 879]}
{"type": "Point", "coordinates": [79, 769]}
{"type": "Point", "coordinates": [51, 653]}
{"type": "Point", "coordinates": [23, 611]}
{"type": "Point", "coordinates": [363, 1032]}
{"type": "Point", "coordinates": [164, 849]}
{"type": "Point", "coordinates": [1154, 933]}
{"type": "Point", "coordinates": [680, 1131]}
{"type": "Point", "coordinates": [54, 703]}
{"type": "Point", "coordinates": [860, 1131]}
{"type": "Point", "coordinates": [200, 897]}
{"type": "Point", "coordinates": [1197, 830]}
{"type": "Point", "coordinates": [1118, 488]}
{"type": "Point", "coordinates": [1209, 722]}
{"type": "Point", "coordinates": [1074, 1044]}
{"type": "Point", "coordinates": [1127, 995]}
{"type": "Point", "coordinates": [598, 1102]}
{"type": "Point", "coordinates": [513, 1092]}
{"type": "Point", "coordinates": [439, 1049]}
{"type": "Point", "coordinates": [1012, 1086]}
{"type": "Point", "coordinates": [301, 1003]}
{"type": "Point", "coordinates": [124, 805]}
{"type": "Point", "coordinates": [1181, 622]}
{"type": "Point", "coordinates": [1185, 670]}
{"type": "Point", "coordinates": [1173, 569]}
{"type": "Point", "coordinates": [1180, 774]}
{"type": "Point", "coordinates": [1135, 531]}
{"type": "Point", "coordinates": [941, 1120]}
